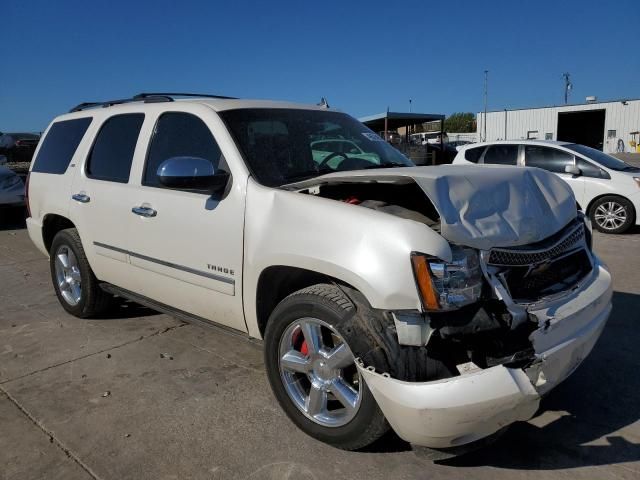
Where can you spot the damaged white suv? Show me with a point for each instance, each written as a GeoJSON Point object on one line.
{"type": "Point", "coordinates": [442, 301]}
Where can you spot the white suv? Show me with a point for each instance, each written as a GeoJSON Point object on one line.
{"type": "Point", "coordinates": [443, 301]}
{"type": "Point", "coordinates": [605, 187]}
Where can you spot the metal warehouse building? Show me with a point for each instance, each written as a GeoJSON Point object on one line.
{"type": "Point", "coordinates": [610, 126]}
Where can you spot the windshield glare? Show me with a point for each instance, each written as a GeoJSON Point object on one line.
{"type": "Point", "coordinates": [284, 146]}
{"type": "Point", "coordinates": [600, 157]}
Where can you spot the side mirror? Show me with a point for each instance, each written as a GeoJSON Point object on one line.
{"type": "Point", "coordinates": [572, 170]}
{"type": "Point", "coordinates": [191, 173]}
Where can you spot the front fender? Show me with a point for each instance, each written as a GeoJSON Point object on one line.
{"type": "Point", "coordinates": [367, 249]}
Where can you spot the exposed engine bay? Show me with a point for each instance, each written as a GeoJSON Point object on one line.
{"type": "Point", "coordinates": [405, 200]}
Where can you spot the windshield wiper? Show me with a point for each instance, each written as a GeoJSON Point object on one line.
{"type": "Point", "coordinates": [309, 174]}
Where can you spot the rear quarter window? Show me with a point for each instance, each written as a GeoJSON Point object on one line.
{"type": "Point", "coordinates": [59, 145]}
{"type": "Point", "coordinates": [473, 154]}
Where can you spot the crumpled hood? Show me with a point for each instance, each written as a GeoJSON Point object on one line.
{"type": "Point", "coordinates": [482, 206]}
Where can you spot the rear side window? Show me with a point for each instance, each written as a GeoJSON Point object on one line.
{"type": "Point", "coordinates": [549, 159]}
{"type": "Point", "coordinates": [501, 154]}
{"type": "Point", "coordinates": [179, 134]}
{"type": "Point", "coordinates": [59, 145]}
{"type": "Point", "coordinates": [112, 153]}
{"type": "Point", "coordinates": [473, 154]}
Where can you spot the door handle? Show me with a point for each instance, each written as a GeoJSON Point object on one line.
{"type": "Point", "coordinates": [144, 211]}
{"type": "Point", "coordinates": [81, 197]}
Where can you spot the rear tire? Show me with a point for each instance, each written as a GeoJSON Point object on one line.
{"type": "Point", "coordinates": [322, 309]}
{"type": "Point", "coordinates": [76, 286]}
{"type": "Point", "coordinates": [612, 214]}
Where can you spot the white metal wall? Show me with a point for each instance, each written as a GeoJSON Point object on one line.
{"type": "Point", "coordinates": [618, 116]}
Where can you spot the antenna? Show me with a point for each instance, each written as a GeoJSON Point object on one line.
{"type": "Point", "coordinates": [567, 86]}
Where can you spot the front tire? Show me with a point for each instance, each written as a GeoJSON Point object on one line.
{"type": "Point", "coordinates": [612, 214]}
{"type": "Point", "coordinates": [76, 286]}
{"type": "Point", "coordinates": [312, 371]}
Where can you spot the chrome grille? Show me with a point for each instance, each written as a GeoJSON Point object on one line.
{"type": "Point", "coordinates": [511, 257]}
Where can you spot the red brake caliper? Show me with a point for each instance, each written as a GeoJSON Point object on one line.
{"type": "Point", "coordinates": [300, 343]}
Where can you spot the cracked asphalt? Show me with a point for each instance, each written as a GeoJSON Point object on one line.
{"type": "Point", "coordinates": [142, 395]}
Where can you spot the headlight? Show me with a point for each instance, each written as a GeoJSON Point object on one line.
{"type": "Point", "coordinates": [448, 285]}
{"type": "Point", "coordinates": [9, 182]}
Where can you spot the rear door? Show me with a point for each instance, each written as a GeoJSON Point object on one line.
{"type": "Point", "coordinates": [100, 197]}
{"type": "Point", "coordinates": [186, 247]}
{"type": "Point", "coordinates": [555, 160]}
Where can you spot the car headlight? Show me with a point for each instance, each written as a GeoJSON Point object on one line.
{"type": "Point", "coordinates": [448, 285]}
{"type": "Point", "coordinates": [10, 181]}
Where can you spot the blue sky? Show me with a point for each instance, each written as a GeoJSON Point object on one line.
{"type": "Point", "coordinates": [362, 55]}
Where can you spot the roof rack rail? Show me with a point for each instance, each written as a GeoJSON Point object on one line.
{"type": "Point", "coordinates": [146, 98]}
{"type": "Point", "coordinates": [190, 95]}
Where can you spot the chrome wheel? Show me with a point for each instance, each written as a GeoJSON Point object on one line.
{"type": "Point", "coordinates": [610, 215]}
{"type": "Point", "coordinates": [319, 373]}
{"type": "Point", "coordinates": [68, 276]}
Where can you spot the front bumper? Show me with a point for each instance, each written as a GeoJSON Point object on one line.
{"type": "Point", "coordinates": [460, 410]}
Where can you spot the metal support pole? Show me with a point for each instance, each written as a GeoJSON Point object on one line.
{"type": "Point", "coordinates": [484, 120]}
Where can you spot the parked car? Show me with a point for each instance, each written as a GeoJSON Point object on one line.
{"type": "Point", "coordinates": [606, 188]}
{"type": "Point", "coordinates": [11, 189]}
{"type": "Point", "coordinates": [442, 301]}
{"type": "Point", "coordinates": [18, 147]}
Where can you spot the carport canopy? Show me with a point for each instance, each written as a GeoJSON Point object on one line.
{"type": "Point", "coordinates": [395, 120]}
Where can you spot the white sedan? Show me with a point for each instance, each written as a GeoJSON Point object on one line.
{"type": "Point", "coordinates": [605, 187]}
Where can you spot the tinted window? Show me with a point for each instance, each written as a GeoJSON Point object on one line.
{"type": "Point", "coordinates": [179, 135]}
{"type": "Point", "coordinates": [588, 169]}
{"type": "Point", "coordinates": [60, 144]}
{"type": "Point", "coordinates": [501, 154]}
{"type": "Point", "coordinates": [112, 153]}
{"type": "Point", "coordinates": [473, 154]}
{"type": "Point", "coordinates": [549, 159]}
{"type": "Point", "coordinates": [602, 158]}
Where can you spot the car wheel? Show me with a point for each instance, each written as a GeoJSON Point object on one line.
{"type": "Point", "coordinates": [312, 371]}
{"type": "Point", "coordinates": [612, 214]}
{"type": "Point", "coordinates": [75, 284]}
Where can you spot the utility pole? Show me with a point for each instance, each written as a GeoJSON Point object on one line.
{"type": "Point", "coordinates": [567, 87]}
{"type": "Point", "coordinates": [484, 120]}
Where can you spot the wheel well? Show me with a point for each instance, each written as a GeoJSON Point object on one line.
{"type": "Point", "coordinates": [51, 225]}
{"type": "Point", "coordinates": [588, 210]}
{"type": "Point", "coordinates": [276, 283]}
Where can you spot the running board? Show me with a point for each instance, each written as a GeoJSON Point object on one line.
{"type": "Point", "coordinates": [174, 312]}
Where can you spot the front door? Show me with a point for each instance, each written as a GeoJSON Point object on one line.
{"type": "Point", "coordinates": [186, 247]}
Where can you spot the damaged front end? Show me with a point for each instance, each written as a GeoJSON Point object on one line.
{"type": "Point", "coordinates": [498, 329]}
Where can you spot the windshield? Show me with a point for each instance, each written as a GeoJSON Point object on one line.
{"type": "Point", "coordinates": [284, 146]}
{"type": "Point", "coordinates": [602, 158]}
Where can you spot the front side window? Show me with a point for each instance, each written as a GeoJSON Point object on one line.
{"type": "Point", "coordinates": [602, 158]}
{"type": "Point", "coordinates": [112, 153]}
{"type": "Point", "coordinates": [550, 159]}
{"type": "Point", "coordinates": [59, 145]}
{"type": "Point", "coordinates": [282, 146]}
{"type": "Point", "coordinates": [179, 134]}
{"type": "Point", "coordinates": [501, 155]}
{"type": "Point", "coordinates": [588, 169]}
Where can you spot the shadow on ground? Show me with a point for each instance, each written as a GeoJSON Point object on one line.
{"type": "Point", "coordinates": [12, 218]}
{"type": "Point", "coordinates": [597, 401]}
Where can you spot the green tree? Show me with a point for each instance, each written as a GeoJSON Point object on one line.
{"type": "Point", "coordinates": [461, 122]}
